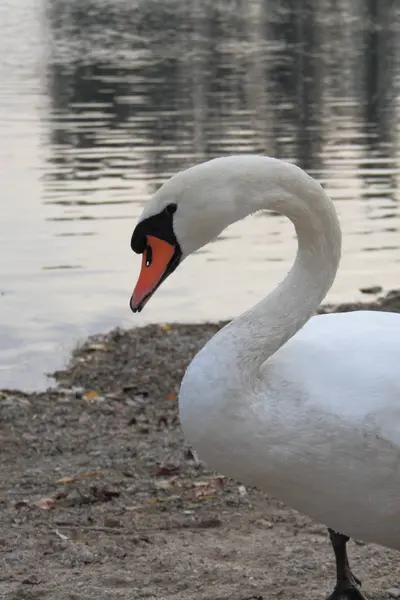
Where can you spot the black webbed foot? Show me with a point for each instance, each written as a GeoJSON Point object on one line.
{"type": "Point", "coordinates": [347, 584]}
{"type": "Point", "coordinates": [351, 592]}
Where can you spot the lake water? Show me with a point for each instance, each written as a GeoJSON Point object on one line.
{"type": "Point", "coordinates": [102, 100]}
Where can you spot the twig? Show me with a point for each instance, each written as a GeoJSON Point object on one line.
{"type": "Point", "coordinates": [117, 530]}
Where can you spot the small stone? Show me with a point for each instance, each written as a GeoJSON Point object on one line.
{"type": "Point", "coordinates": [208, 523]}
{"type": "Point", "coordinates": [130, 402]}
{"type": "Point", "coordinates": [372, 289]}
{"type": "Point", "coordinates": [95, 347]}
{"type": "Point", "coordinates": [242, 490]}
{"type": "Point", "coordinates": [31, 580]}
{"type": "Point", "coordinates": [83, 555]}
{"type": "Point", "coordinates": [265, 523]}
{"type": "Point", "coordinates": [28, 437]}
{"type": "Point", "coordinates": [112, 522]}
{"type": "Point", "coordinates": [394, 592]}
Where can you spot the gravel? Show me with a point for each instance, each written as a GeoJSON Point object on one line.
{"type": "Point", "coordinates": [102, 498]}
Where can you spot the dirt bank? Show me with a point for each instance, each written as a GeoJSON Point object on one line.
{"type": "Point", "coordinates": [101, 498]}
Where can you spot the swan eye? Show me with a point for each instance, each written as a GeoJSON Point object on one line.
{"type": "Point", "coordinates": [171, 209]}
{"type": "Point", "coordinates": [149, 256]}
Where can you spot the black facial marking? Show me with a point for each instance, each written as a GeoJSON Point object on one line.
{"type": "Point", "coordinates": [159, 226]}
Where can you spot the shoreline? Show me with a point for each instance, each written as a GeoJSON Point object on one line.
{"type": "Point", "coordinates": [76, 366]}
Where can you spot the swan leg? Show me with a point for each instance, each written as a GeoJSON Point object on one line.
{"type": "Point", "coordinates": [347, 585]}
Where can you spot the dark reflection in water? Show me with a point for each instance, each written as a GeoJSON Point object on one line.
{"type": "Point", "coordinates": [130, 91]}
{"type": "Point", "coordinates": [379, 124]}
{"type": "Point", "coordinates": [143, 90]}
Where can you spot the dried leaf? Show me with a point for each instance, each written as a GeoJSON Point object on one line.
{"type": "Point", "coordinates": [71, 479]}
{"type": "Point", "coordinates": [205, 497]}
{"type": "Point", "coordinates": [165, 327]}
{"type": "Point", "coordinates": [91, 395]}
{"type": "Point", "coordinates": [171, 396]}
{"type": "Point", "coordinates": [205, 490]}
{"type": "Point", "coordinates": [64, 480]}
{"type": "Point", "coordinates": [45, 503]}
{"type": "Point", "coordinates": [219, 482]}
{"type": "Point", "coordinates": [61, 535]}
{"type": "Point", "coordinates": [92, 474]}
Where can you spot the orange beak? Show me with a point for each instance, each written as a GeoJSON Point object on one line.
{"type": "Point", "coordinates": [159, 260]}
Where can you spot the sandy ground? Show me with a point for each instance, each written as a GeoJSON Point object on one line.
{"type": "Point", "coordinates": [101, 497]}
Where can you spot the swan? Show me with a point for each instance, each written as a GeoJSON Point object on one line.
{"type": "Point", "coordinates": [304, 407]}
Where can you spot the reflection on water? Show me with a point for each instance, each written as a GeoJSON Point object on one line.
{"type": "Point", "coordinates": [102, 100]}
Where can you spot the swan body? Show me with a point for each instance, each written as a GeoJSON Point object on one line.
{"type": "Point", "coordinates": [304, 407]}
{"type": "Point", "coordinates": [320, 431]}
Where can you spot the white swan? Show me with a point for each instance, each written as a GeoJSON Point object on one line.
{"type": "Point", "coordinates": [306, 408]}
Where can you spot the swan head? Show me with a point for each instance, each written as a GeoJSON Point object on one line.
{"type": "Point", "coordinates": [188, 211]}
{"type": "Point", "coordinates": [194, 206]}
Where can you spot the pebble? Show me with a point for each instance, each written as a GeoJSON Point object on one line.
{"type": "Point", "coordinates": [31, 580]}
{"type": "Point", "coordinates": [95, 347]}
{"type": "Point", "coordinates": [80, 554]}
{"type": "Point", "coordinates": [394, 592]}
{"type": "Point", "coordinates": [373, 289]}
{"type": "Point", "coordinates": [112, 522]}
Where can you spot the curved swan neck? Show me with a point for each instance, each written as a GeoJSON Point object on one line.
{"type": "Point", "coordinates": [249, 340]}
